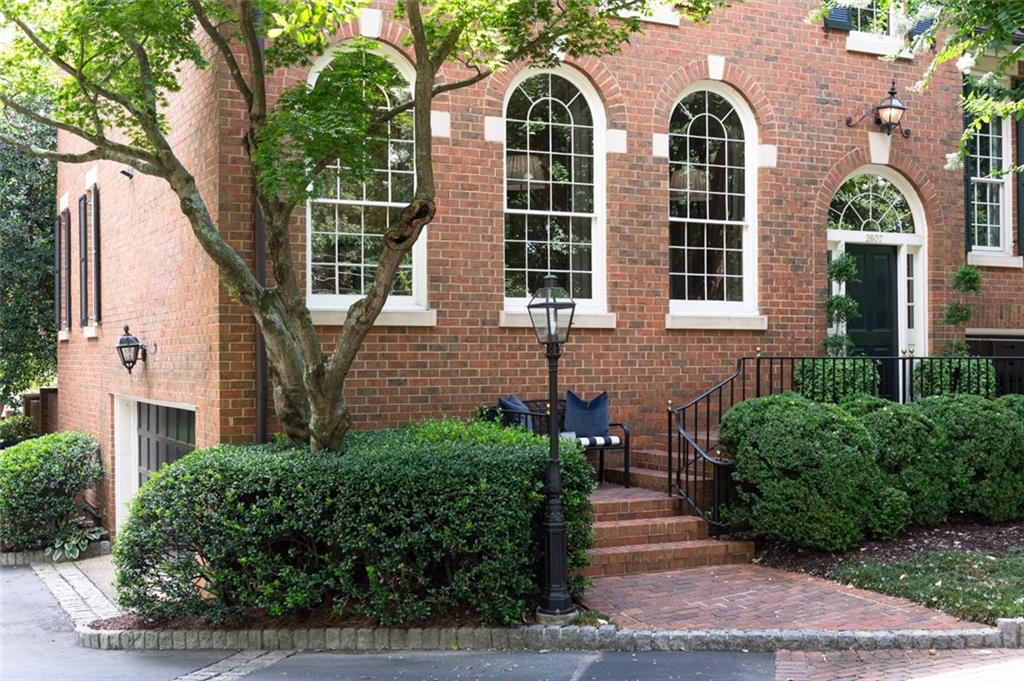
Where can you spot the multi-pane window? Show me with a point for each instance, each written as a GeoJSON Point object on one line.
{"type": "Point", "coordinates": [986, 166]}
{"type": "Point", "coordinates": [351, 211]}
{"type": "Point", "coordinates": [870, 203]}
{"type": "Point", "coordinates": [549, 187]}
{"type": "Point", "coordinates": [707, 199]}
{"type": "Point", "coordinates": [870, 19]}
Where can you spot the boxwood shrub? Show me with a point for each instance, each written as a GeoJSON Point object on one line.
{"type": "Point", "coordinates": [835, 379]}
{"type": "Point", "coordinates": [40, 480]}
{"type": "Point", "coordinates": [806, 473]}
{"type": "Point", "coordinates": [405, 525]}
{"type": "Point", "coordinates": [954, 375]}
{"type": "Point", "coordinates": [15, 427]}
{"type": "Point", "coordinates": [860, 404]}
{"type": "Point", "coordinates": [986, 454]}
{"type": "Point", "coordinates": [1014, 403]}
{"type": "Point", "coordinates": [913, 451]}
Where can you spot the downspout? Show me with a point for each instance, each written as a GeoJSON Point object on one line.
{"type": "Point", "coordinates": [259, 229]}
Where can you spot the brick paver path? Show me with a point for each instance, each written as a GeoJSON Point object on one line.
{"type": "Point", "coordinates": [901, 665]}
{"type": "Point", "coordinates": [753, 597]}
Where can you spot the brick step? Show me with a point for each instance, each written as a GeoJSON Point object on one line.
{"type": "Point", "coordinates": [645, 478]}
{"type": "Point", "coordinates": [613, 502]}
{"type": "Point", "coordinates": [632, 559]}
{"type": "Point", "coordinates": [649, 530]}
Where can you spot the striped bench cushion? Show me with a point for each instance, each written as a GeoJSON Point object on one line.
{"type": "Point", "coordinates": [608, 441]}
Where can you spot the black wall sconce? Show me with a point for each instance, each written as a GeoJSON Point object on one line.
{"type": "Point", "coordinates": [888, 114]}
{"type": "Point", "coordinates": [130, 350]}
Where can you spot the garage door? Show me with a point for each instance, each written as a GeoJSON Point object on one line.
{"type": "Point", "coordinates": [165, 435]}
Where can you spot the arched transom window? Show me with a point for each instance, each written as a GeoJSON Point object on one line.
{"type": "Point", "coordinates": [870, 203]}
{"type": "Point", "coordinates": [708, 192]}
{"type": "Point", "coordinates": [349, 214]}
{"type": "Point", "coordinates": [549, 187]}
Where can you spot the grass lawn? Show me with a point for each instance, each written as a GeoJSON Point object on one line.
{"type": "Point", "coordinates": [973, 585]}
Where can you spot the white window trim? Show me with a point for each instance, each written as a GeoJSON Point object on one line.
{"type": "Point", "coordinates": [660, 13]}
{"type": "Point", "coordinates": [729, 315]}
{"type": "Point", "coordinates": [330, 309]}
{"type": "Point", "coordinates": [915, 339]}
{"type": "Point", "coordinates": [598, 303]}
{"type": "Point", "coordinates": [882, 44]}
{"type": "Point", "coordinates": [1002, 255]}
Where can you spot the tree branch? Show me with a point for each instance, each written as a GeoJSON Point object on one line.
{"type": "Point", "coordinates": [94, 154]}
{"type": "Point", "coordinates": [254, 50]}
{"type": "Point", "coordinates": [445, 48]}
{"type": "Point", "coordinates": [222, 45]}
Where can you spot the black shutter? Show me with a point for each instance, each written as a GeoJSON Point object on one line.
{"type": "Point", "coordinates": [1020, 187]}
{"type": "Point", "coordinates": [66, 218]}
{"type": "Point", "coordinates": [968, 202]}
{"type": "Point", "coordinates": [83, 259]}
{"type": "Point", "coordinates": [96, 307]}
{"type": "Point", "coordinates": [920, 27]}
{"type": "Point", "coordinates": [838, 18]}
{"type": "Point", "coordinates": [57, 264]}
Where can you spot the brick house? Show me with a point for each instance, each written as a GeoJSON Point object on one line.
{"type": "Point", "coordinates": [689, 190]}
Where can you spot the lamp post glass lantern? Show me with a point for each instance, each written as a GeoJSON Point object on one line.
{"type": "Point", "coordinates": [888, 114]}
{"type": "Point", "coordinates": [551, 312]}
{"type": "Point", "coordinates": [130, 350]}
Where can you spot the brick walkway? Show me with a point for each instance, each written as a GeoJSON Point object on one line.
{"type": "Point", "coordinates": [753, 597]}
{"type": "Point", "coordinates": [901, 665]}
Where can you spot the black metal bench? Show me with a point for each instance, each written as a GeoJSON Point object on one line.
{"type": "Point", "coordinates": [536, 419]}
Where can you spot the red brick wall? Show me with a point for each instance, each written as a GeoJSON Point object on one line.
{"type": "Point", "coordinates": [801, 83]}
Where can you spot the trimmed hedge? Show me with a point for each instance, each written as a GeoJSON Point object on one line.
{"type": "Point", "coordinates": [39, 482]}
{"type": "Point", "coordinates": [405, 525]}
{"type": "Point", "coordinates": [986, 454]}
{"type": "Point", "coordinates": [912, 449]}
{"type": "Point", "coordinates": [835, 379]}
{"type": "Point", "coordinates": [860, 404]}
{"type": "Point", "coordinates": [16, 427]}
{"type": "Point", "coordinates": [955, 375]}
{"type": "Point", "coordinates": [807, 473]}
{"type": "Point", "coordinates": [1014, 403]}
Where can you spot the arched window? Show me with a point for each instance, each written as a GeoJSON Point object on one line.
{"type": "Point", "coordinates": [711, 201]}
{"type": "Point", "coordinates": [551, 211]}
{"type": "Point", "coordinates": [348, 215]}
{"type": "Point", "coordinates": [870, 203]}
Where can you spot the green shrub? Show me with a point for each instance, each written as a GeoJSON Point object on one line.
{"type": "Point", "coordinates": [860, 404]}
{"type": "Point", "coordinates": [16, 427]}
{"type": "Point", "coordinates": [426, 521]}
{"type": "Point", "coordinates": [39, 482]}
{"type": "Point", "coordinates": [833, 379]}
{"type": "Point", "coordinates": [954, 375]}
{"type": "Point", "coordinates": [806, 473]}
{"type": "Point", "coordinates": [1014, 403]}
{"type": "Point", "coordinates": [913, 451]}
{"type": "Point", "coordinates": [986, 454]}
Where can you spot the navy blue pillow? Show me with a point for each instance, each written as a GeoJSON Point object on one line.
{"type": "Point", "coordinates": [514, 412]}
{"type": "Point", "coordinates": [586, 419]}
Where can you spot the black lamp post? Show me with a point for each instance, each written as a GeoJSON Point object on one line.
{"type": "Point", "coordinates": [130, 350]}
{"type": "Point", "coordinates": [551, 311]}
{"type": "Point", "coordinates": [888, 114]}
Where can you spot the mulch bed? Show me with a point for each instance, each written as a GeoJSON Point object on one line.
{"type": "Point", "coordinates": [960, 536]}
{"type": "Point", "coordinates": [321, 618]}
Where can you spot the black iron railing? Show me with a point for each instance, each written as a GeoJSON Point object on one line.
{"type": "Point", "coordinates": [701, 472]}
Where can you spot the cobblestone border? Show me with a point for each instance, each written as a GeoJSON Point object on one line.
{"type": "Point", "coordinates": [15, 558]}
{"type": "Point", "coordinates": [539, 637]}
{"type": "Point", "coordinates": [80, 598]}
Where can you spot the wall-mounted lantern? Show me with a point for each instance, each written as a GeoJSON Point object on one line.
{"type": "Point", "coordinates": [130, 350]}
{"type": "Point", "coordinates": [888, 114]}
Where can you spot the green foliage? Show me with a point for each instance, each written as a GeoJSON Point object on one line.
{"type": "Point", "coordinates": [1014, 403]}
{"type": "Point", "coordinates": [840, 309]}
{"type": "Point", "coordinates": [806, 473]}
{"type": "Point", "coordinates": [967, 280]}
{"type": "Point", "coordinates": [835, 379]}
{"type": "Point", "coordinates": [985, 458]}
{"type": "Point", "coordinates": [430, 520]}
{"type": "Point", "coordinates": [27, 186]}
{"type": "Point", "coordinates": [913, 451]}
{"type": "Point", "coordinates": [837, 345]}
{"type": "Point", "coordinates": [954, 375]}
{"type": "Point", "coordinates": [842, 268]}
{"type": "Point", "coordinates": [862, 403]}
{"type": "Point", "coordinates": [16, 427]}
{"type": "Point", "coordinates": [39, 482]}
{"type": "Point", "coordinates": [957, 313]}
{"type": "Point", "coordinates": [970, 585]}
{"type": "Point", "coordinates": [72, 541]}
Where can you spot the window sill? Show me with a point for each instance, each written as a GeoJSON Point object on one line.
{"type": "Point", "coordinates": [873, 43]}
{"type": "Point", "coordinates": [414, 317]}
{"type": "Point", "coordinates": [581, 320]}
{"type": "Point", "coordinates": [91, 331]}
{"type": "Point", "coordinates": [663, 14]}
{"type": "Point", "coordinates": [979, 259]}
{"type": "Point", "coordinates": [63, 335]}
{"type": "Point", "coordinates": [737, 322]}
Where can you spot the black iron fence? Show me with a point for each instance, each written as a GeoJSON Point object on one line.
{"type": "Point", "coordinates": [700, 472]}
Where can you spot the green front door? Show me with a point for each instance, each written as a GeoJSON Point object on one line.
{"type": "Point", "coordinates": [874, 332]}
